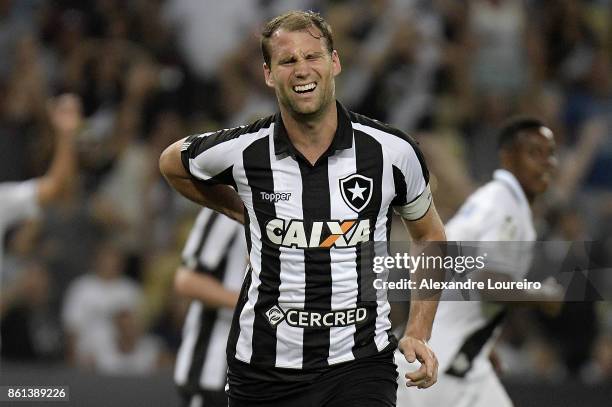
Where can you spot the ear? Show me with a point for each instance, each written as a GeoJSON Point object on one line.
{"type": "Point", "coordinates": [268, 75]}
{"type": "Point", "coordinates": [336, 66]}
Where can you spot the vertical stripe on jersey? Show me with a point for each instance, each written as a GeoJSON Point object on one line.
{"type": "Point", "coordinates": [195, 237]}
{"type": "Point", "coordinates": [229, 271]}
{"type": "Point", "coordinates": [240, 344]}
{"type": "Point", "coordinates": [390, 336]}
{"type": "Point", "coordinates": [207, 322]}
{"type": "Point", "coordinates": [287, 179]}
{"type": "Point", "coordinates": [241, 336]}
{"type": "Point", "coordinates": [214, 371]}
{"type": "Point", "coordinates": [344, 285]}
{"type": "Point", "coordinates": [190, 336]}
{"type": "Point", "coordinates": [400, 187]}
{"type": "Point", "coordinates": [193, 249]}
{"type": "Point", "coordinates": [199, 322]}
{"type": "Point", "coordinates": [382, 234]}
{"type": "Point", "coordinates": [236, 277]}
{"type": "Point", "coordinates": [369, 159]}
{"type": "Point", "coordinates": [237, 346]}
{"type": "Point", "coordinates": [221, 233]}
{"type": "Point", "coordinates": [316, 207]}
{"type": "Point", "coordinates": [257, 167]}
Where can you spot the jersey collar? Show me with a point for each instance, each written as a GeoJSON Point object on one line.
{"type": "Point", "coordinates": [343, 139]}
{"type": "Point", "coordinates": [509, 180]}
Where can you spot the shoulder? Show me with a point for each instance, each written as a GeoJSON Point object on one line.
{"type": "Point", "coordinates": [236, 132]}
{"type": "Point", "coordinates": [484, 210]}
{"type": "Point", "coordinates": [383, 132]}
{"type": "Point", "coordinates": [489, 199]}
{"type": "Point", "coordinates": [401, 149]}
{"type": "Point", "coordinates": [254, 127]}
{"type": "Point", "coordinates": [499, 198]}
{"type": "Point", "coordinates": [197, 143]}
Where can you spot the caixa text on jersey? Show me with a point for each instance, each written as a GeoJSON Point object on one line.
{"type": "Point", "coordinates": [327, 234]}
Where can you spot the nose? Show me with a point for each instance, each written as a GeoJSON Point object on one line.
{"type": "Point", "coordinates": [300, 69]}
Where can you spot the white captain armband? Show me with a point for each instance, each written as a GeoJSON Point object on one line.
{"type": "Point", "coordinates": [417, 208]}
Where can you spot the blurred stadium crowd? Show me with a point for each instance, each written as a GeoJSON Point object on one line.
{"type": "Point", "coordinates": [94, 275]}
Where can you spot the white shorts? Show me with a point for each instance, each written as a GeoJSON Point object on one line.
{"type": "Point", "coordinates": [484, 390]}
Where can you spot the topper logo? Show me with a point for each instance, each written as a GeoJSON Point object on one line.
{"type": "Point", "coordinates": [275, 196]}
{"type": "Point", "coordinates": [346, 233]}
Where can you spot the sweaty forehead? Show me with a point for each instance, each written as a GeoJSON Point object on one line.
{"type": "Point", "coordinates": [307, 39]}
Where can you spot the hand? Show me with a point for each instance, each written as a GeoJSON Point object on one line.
{"type": "Point", "coordinates": [418, 349]}
{"type": "Point", "coordinates": [65, 114]}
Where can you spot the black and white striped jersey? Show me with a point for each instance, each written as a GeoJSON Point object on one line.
{"type": "Point", "coordinates": [215, 246]}
{"type": "Point", "coordinates": [303, 304]}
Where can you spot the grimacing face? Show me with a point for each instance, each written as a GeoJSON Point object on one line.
{"type": "Point", "coordinates": [533, 160]}
{"type": "Point", "coordinates": [302, 71]}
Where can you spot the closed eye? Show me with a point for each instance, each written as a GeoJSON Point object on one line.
{"type": "Point", "coordinates": [314, 56]}
{"type": "Point", "coordinates": [286, 61]}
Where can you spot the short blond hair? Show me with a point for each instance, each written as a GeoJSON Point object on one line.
{"type": "Point", "coordinates": [296, 20]}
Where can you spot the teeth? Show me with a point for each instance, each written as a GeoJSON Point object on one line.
{"type": "Point", "coordinates": [304, 88]}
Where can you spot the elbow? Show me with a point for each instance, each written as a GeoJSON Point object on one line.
{"type": "Point", "coordinates": [434, 235]}
{"type": "Point", "coordinates": [170, 162]}
{"type": "Point", "coordinates": [165, 161]}
{"type": "Point", "coordinates": [181, 282]}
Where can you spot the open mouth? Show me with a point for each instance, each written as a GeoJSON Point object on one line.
{"type": "Point", "coordinates": [309, 87]}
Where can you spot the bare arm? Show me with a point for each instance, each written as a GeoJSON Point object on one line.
{"type": "Point", "coordinates": [66, 118]}
{"type": "Point", "coordinates": [205, 288]}
{"type": "Point", "coordinates": [218, 197]}
{"type": "Point", "coordinates": [579, 161]}
{"type": "Point", "coordinates": [422, 310]}
{"type": "Point", "coordinates": [427, 229]}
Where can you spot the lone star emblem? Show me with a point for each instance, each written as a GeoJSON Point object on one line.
{"type": "Point", "coordinates": [356, 191]}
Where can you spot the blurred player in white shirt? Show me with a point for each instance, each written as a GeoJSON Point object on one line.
{"type": "Point", "coordinates": [463, 331]}
{"type": "Point", "coordinates": [23, 200]}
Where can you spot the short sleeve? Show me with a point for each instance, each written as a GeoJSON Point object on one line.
{"type": "Point", "coordinates": [19, 200]}
{"type": "Point", "coordinates": [208, 157]}
{"type": "Point", "coordinates": [211, 157]}
{"type": "Point", "coordinates": [411, 179]}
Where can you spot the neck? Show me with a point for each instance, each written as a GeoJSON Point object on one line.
{"type": "Point", "coordinates": [311, 135]}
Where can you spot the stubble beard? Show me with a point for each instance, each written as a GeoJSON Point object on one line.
{"type": "Point", "coordinates": [321, 105]}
